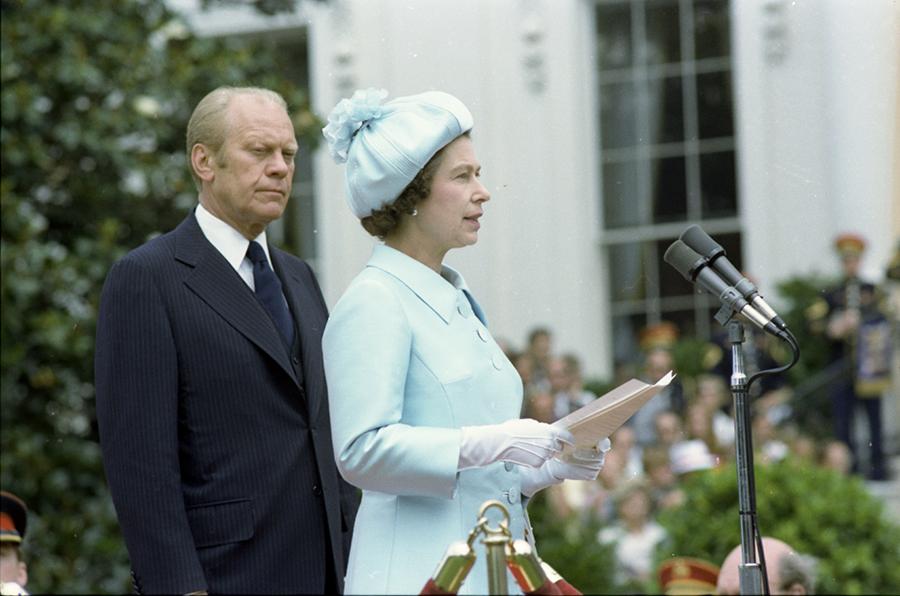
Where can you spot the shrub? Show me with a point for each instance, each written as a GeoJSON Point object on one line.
{"type": "Point", "coordinates": [817, 511]}
{"type": "Point", "coordinates": [570, 546]}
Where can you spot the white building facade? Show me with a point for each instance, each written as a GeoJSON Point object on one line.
{"type": "Point", "coordinates": [606, 127]}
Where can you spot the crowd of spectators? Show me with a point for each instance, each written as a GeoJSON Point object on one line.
{"type": "Point", "coordinates": [687, 427]}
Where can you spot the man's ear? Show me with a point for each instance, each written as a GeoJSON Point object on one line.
{"type": "Point", "coordinates": [797, 588]}
{"type": "Point", "coordinates": [202, 160]}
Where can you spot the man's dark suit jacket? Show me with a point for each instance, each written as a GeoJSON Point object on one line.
{"type": "Point", "coordinates": [215, 437]}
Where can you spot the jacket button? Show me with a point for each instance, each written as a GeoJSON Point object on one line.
{"type": "Point", "coordinates": [316, 490]}
{"type": "Point", "coordinates": [497, 361]}
{"type": "Point", "coordinates": [512, 495]}
{"type": "Point", "coordinates": [462, 305]}
{"type": "Point", "coordinates": [507, 466]}
{"type": "Point", "coordinates": [295, 360]}
{"type": "Point", "coordinates": [482, 334]}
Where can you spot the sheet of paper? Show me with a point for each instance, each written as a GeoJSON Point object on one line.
{"type": "Point", "coordinates": [598, 419]}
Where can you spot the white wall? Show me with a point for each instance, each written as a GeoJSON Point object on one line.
{"type": "Point", "coordinates": [525, 71]}
{"type": "Point", "coordinates": [816, 131]}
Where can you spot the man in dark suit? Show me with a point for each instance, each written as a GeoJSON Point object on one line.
{"type": "Point", "coordinates": [211, 395]}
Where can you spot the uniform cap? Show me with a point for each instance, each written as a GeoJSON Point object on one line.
{"type": "Point", "coordinates": [661, 335]}
{"type": "Point", "coordinates": [849, 244]}
{"type": "Point", "coordinates": [13, 518]}
{"type": "Point", "coordinates": [686, 575]}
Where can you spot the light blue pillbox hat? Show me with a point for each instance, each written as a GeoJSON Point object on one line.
{"type": "Point", "coordinates": [386, 144]}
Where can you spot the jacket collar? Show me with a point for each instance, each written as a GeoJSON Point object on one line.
{"type": "Point", "coordinates": [441, 292]}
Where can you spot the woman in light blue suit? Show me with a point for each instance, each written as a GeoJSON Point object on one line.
{"type": "Point", "coordinates": [424, 404]}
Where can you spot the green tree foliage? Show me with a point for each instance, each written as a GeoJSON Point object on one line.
{"type": "Point", "coordinates": [811, 376]}
{"type": "Point", "coordinates": [95, 98]}
{"type": "Point", "coordinates": [569, 544]}
{"type": "Point", "coordinates": [817, 511]}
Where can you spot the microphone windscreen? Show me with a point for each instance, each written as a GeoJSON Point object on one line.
{"type": "Point", "coordinates": [684, 259]}
{"type": "Point", "coordinates": [701, 242]}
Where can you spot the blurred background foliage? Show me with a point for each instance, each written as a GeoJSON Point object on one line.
{"type": "Point", "coordinates": [812, 376]}
{"type": "Point", "coordinates": [95, 98]}
{"type": "Point", "coordinates": [571, 547]}
{"type": "Point", "coordinates": [817, 511]}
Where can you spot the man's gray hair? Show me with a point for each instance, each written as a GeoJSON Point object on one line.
{"type": "Point", "coordinates": [795, 568]}
{"type": "Point", "coordinates": [208, 125]}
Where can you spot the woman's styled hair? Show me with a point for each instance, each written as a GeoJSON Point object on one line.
{"type": "Point", "coordinates": [383, 222]}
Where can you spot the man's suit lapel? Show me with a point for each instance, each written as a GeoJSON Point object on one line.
{"type": "Point", "coordinates": [219, 285]}
{"type": "Point", "coordinates": [304, 307]}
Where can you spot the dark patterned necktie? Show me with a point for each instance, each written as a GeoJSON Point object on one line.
{"type": "Point", "coordinates": [269, 293]}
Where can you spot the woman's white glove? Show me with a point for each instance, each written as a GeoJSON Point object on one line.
{"type": "Point", "coordinates": [579, 464]}
{"type": "Point", "coordinates": [520, 441]}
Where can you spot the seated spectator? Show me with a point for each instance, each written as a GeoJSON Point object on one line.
{"type": "Point", "coordinates": [837, 456]}
{"type": "Point", "coordinates": [664, 490]}
{"type": "Point", "coordinates": [804, 449]}
{"type": "Point", "coordinates": [611, 477]}
{"type": "Point", "coordinates": [789, 572]}
{"type": "Point", "coordinates": [523, 366]}
{"type": "Point", "coordinates": [714, 394]}
{"type": "Point", "coordinates": [567, 385]}
{"type": "Point", "coordinates": [538, 351]}
{"type": "Point", "coordinates": [699, 426]}
{"type": "Point", "coordinates": [635, 534]}
{"type": "Point", "coordinates": [657, 342]}
{"type": "Point", "coordinates": [767, 441]}
{"type": "Point", "coordinates": [538, 405]}
{"type": "Point", "coordinates": [668, 428]}
{"type": "Point", "coordinates": [624, 441]}
{"type": "Point", "coordinates": [13, 523]}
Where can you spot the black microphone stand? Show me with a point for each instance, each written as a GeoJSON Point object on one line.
{"type": "Point", "coordinates": [752, 573]}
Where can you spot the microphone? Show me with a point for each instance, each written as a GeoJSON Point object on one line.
{"type": "Point", "coordinates": [695, 268]}
{"type": "Point", "coordinates": [713, 252]}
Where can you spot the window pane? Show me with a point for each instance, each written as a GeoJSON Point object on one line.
{"type": "Point", "coordinates": [714, 104]}
{"type": "Point", "coordinates": [712, 38]}
{"type": "Point", "coordinates": [625, 346]}
{"type": "Point", "coordinates": [614, 36]}
{"type": "Point", "coordinates": [732, 245]}
{"type": "Point", "coordinates": [683, 319]}
{"type": "Point", "coordinates": [617, 115]}
{"type": "Point", "coordinates": [669, 191]}
{"type": "Point", "coordinates": [626, 272]}
{"type": "Point", "coordinates": [666, 113]}
{"type": "Point", "coordinates": [621, 204]}
{"type": "Point", "coordinates": [663, 37]}
{"type": "Point", "coordinates": [717, 184]}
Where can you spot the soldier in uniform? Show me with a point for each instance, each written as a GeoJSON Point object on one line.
{"type": "Point", "coordinates": [657, 342]}
{"type": "Point", "coordinates": [852, 320]}
{"type": "Point", "coordinates": [13, 522]}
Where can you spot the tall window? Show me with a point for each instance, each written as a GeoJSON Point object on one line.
{"type": "Point", "coordinates": [667, 154]}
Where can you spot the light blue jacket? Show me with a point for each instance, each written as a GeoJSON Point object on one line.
{"type": "Point", "coordinates": [409, 361]}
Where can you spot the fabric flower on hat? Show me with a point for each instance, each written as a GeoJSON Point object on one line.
{"type": "Point", "coordinates": [348, 116]}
